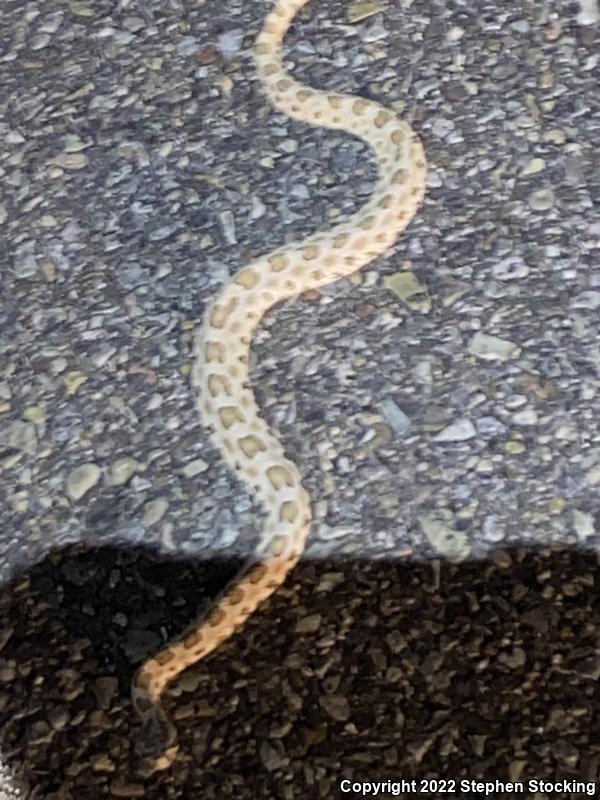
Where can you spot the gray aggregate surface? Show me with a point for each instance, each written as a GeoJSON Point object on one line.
{"type": "Point", "coordinates": [442, 405]}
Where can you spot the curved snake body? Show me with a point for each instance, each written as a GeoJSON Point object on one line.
{"type": "Point", "coordinates": [220, 373]}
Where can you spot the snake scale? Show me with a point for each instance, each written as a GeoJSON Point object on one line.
{"type": "Point", "coordinates": [220, 373]}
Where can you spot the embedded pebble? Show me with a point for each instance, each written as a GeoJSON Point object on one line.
{"type": "Point", "coordinates": [289, 145]}
{"type": "Point", "coordinates": [533, 166]}
{"type": "Point", "coordinates": [230, 42]}
{"type": "Point", "coordinates": [541, 200]}
{"type": "Point", "coordinates": [81, 8]}
{"type": "Point", "coordinates": [336, 706]}
{"type": "Point", "coordinates": [589, 12]}
{"type": "Point", "coordinates": [73, 380]}
{"type": "Point", "coordinates": [589, 299]}
{"type": "Point", "coordinates": [258, 208]}
{"type": "Point", "coordinates": [82, 479]}
{"type": "Point", "coordinates": [395, 416]}
{"type": "Point", "coordinates": [358, 10]}
{"type": "Point", "coordinates": [490, 426]}
{"type": "Point", "coordinates": [526, 417]}
{"type": "Point", "coordinates": [514, 401]}
{"type": "Point", "coordinates": [555, 136]}
{"type": "Point", "coordinates": [309, 624]}
{"type": "Point", "coordinates": [584, 524]}
{"type": "Point", "coordinates": [51, 23]}
{"type": "Point", "coordinates": [375, 32]}
{"type": "Point", "coordinates": [59, 718]}
{"type": "Point", "coordinates": [128, 790]}
{"type": "Point", "coordinates": [40, 41]}
{"type": "Point", "coordinates": [122, 470]}
{"type": "Point", "coordinates": [410, 290]}
{"type": "Point", "coordinates": [445, 540]}
{"type": "Point", "coordinates": [71, 160]}
{"type": "Point", "coordinates": [271, 757]}
{"type": "Point", "coordinates": [492, 529]}
{"type": "Point", "coordinates": [187, 46]}
{"type": "Point", "coordinates": [195, 467]}
{"type": "Point", "coordinates": [24, 261]}
{"type": "Point", "coordinates": [155, 510]}
{"type": "Point", "coordinates": [492, 348]}
{"type": "Point", "coordinates": [228, 226]}
{"type": "Point", "coordinates": [459, 431]}
{"type": "Point", "coordinates": [455, 33]}
{"type": "Point", "coordinates": [442, 127]}
{"type": "Point", "coordinates": [102, 763]}
{"type": "Point", "coordinates": [19, 435]}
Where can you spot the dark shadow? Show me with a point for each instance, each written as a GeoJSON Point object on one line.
{"type": "Point", "coordinates": [357, 670]}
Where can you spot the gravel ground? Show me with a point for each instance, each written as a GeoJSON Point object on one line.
{"type": "Point", "coordinates": [442, 405]}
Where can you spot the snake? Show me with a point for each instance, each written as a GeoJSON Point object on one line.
{"type": "Point", "coordinates": [220, 372]}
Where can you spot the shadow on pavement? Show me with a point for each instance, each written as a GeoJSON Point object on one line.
{"type": "Point", "coordinates": [354, 670]}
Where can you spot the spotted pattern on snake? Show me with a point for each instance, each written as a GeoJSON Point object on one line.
{"type": "Point", "coordinates": [220, 374]}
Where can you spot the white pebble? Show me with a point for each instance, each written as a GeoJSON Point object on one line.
{"type": "Point", "coordinates": [458, 431]}
{"type": "Point", "coordinates": [492, 348]}
{"type": "Point", "coordinates": [121, 470]}
{"type": "Point", "coordinates": [82, 479]}
{"type": "Point", "coordinates": [194, 468]}
{"type": "Point", "coordinates": [526, 417]}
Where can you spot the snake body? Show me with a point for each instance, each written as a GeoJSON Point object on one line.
{"type": "Point", "coordinates": [220, 374]}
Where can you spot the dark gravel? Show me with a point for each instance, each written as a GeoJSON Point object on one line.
{"type": "Point", "coordinates": [363, 670]}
